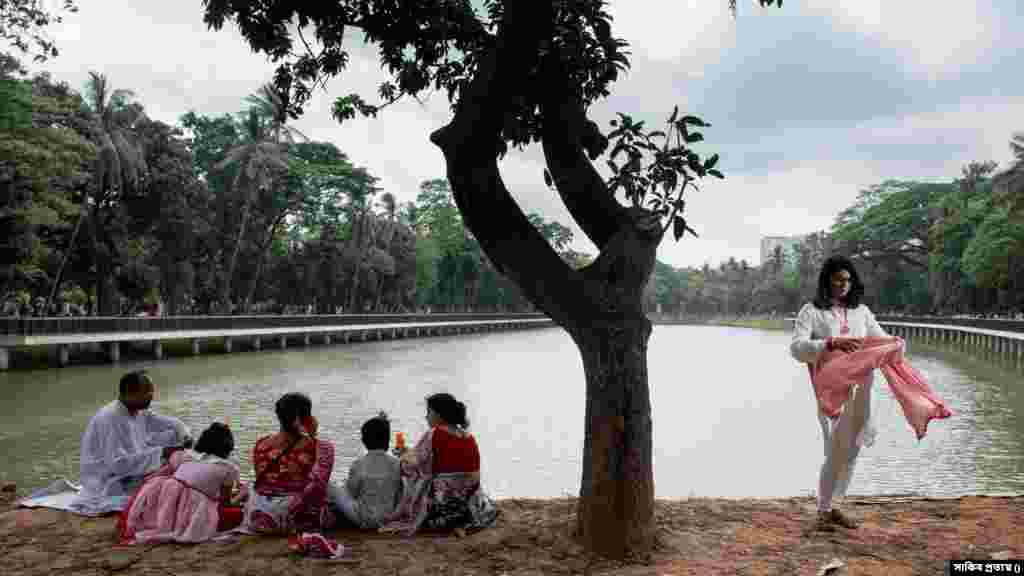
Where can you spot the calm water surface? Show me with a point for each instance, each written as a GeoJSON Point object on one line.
{"type": "Point", "coordinates": [734, 416]}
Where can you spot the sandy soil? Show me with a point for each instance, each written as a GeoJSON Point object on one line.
{"type": "Point", "coordinates": [697, 536]}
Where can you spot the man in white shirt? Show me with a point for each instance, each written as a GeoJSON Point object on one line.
{"type": "Point", "coordinates": [123, 442]}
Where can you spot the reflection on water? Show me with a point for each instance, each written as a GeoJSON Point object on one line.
{"type": "Point", "coordinates": [733, 414]}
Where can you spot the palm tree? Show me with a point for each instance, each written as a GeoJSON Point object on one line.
{"type": "Point", "coordinates": [259, 161]}
{"type": "Point", "coordinates": [262, 161]}
{"type": "Point", "coordinates": [120, 167]}
{"type": "Point", "coordinates": [1009, 185]}
{"type": "Point", "coordinates": [390, 205]}
{"type": "Point", "coordinates": [271, 104]}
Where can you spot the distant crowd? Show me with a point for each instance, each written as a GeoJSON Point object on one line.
{"type": "Point", "coordinates": [37, 308]}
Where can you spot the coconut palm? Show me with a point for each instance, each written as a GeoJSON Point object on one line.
{"type": "Point", "coordinates": [120, 168]}
{"type": "Point", "coordinates": [390, 205]}
{"type": "Point", "coordinates": [1010, 184]}
{"type": "Point", "coordinates": [271, 104]}
{"type": "Point", "coordinates": [259, 161]}
{"type": "Point", "coordinates": [262, 160]}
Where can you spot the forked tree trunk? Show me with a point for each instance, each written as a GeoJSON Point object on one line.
{"type": "Point", "coordinates": [600, 305]}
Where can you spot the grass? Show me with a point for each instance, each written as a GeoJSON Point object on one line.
{"type": "Point", "coordinates": [757, 323]}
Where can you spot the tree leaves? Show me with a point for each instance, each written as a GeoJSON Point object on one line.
{"type": "Point", "coordinates": [660, 165]}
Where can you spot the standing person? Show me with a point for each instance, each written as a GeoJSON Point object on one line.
{"type": "Point", "coordinates": [123, 442]}
{"type": "Point", "coordinates": [836, 320]}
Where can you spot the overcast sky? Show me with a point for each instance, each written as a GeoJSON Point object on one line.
{"type": "Point", "coordinates": [808, 104]}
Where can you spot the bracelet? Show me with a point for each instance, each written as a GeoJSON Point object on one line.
{"type": "Point", "coordinates": [829, 344]}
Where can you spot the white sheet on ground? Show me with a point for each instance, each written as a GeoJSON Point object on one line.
{"type": "Point", "coordinates": [64, 495]}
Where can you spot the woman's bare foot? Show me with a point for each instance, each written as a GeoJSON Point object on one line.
{"type": "Point", "coordinates": [828, 520]}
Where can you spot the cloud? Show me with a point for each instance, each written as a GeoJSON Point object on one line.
{"type": "Point", "coordinates": [939, 39]}
{"type": "Point", "coordinates": [732, 215]}
{"type": "Point", "coordinates": [809, 103]}
{"type": "Point", "coordinates": [689, 34]}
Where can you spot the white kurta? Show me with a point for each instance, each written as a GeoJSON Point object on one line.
{"type": "Point", "coordinates": [843, 437]}
{"type": "Point", "coordinates": [118, 449]}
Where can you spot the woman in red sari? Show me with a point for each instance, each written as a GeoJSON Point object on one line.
{"type": "Point", "coordinates": [442, 474]}
{"type": "Point", "coordinates": [293, 468]}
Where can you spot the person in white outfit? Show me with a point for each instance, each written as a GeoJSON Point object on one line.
{"type": "Point", "coordinates": [836, 320]}
{"type": "Point", "coordinates": [123, 442]}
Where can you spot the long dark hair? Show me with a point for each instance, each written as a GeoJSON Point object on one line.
{"type": "Point", "coordinates": [449, 409]}
{"type": "Point", "coordinates": [823, 298]}
{"type": "Point", "coordinates": [291, 406]}
{"type": "Point", "coordinates": [216, 440]}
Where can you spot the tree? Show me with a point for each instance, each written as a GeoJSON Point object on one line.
{"type": "Point", "coordinates": [22, 23]}
{"type": "Point", "coordinates": [259, 161]}
{"type": "Point", "coordinates": [527, 72]}
{"type": "Point", "coordinates": [1009, 184]}
{"type": "Point", "coordinates": [120, 169]}
{"type": "Point", "coordinates": [45, 160]}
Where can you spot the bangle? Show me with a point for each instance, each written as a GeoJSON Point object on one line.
{"type": "Point", "coordinates": [828, 344]}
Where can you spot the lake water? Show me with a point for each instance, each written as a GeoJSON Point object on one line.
{"type": "Point", "coordinates": [734, 415]}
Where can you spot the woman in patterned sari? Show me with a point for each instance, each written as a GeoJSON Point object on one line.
{"type": "Point", "coordinates": [442, 475]}
{"type": "Point", "coordinates": [292, 469]}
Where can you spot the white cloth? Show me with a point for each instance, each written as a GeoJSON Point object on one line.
{"type": "Point", "coordinates": [117, 450]}
{"type": "Point", "coordinates": [372, 491]}
{"type": "Point", "coordinates": [845, 436]}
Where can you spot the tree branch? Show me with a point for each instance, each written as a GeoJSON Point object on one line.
{"type": "Point", "coordinates": [470, 143]}
{"type": "Point", "coordinates": [581, 187]}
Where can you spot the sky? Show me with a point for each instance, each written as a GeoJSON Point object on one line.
{"type": "Point", "coordinates": [808, 104]}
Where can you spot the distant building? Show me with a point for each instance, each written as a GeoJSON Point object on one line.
{"type": "Point", "coordinates": [769, 243]}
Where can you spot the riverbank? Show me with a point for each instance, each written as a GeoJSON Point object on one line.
{"type": "Point", "coordinates": [899, 535]}
{"type": "Point", "coordinates": [757, 323]}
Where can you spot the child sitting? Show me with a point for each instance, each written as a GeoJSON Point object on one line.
{"type": "Point", "coordinates": [374, 485]}
{"type": "Point", "coordinates": [190, 498]}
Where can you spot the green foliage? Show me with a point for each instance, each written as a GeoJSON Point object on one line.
{"type": "Point", "coordinates": [988, 257]}
{"type": "Point", "coordinates": [23, 22]}
{"type": "Point", "coordinates": [15, 104]}
{"type": "Point", "coordinates": [41, 155]}
{"type": "Point", "coordinates": [673, 167]}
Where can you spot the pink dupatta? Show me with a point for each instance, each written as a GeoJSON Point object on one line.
{"type": "Point", "coordinates": [835, 373]}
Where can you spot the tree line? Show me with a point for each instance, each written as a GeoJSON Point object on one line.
{"type": "Point", "coordinates": [106, 211]}
{"type": "Point", "coordinates": [953, 247]}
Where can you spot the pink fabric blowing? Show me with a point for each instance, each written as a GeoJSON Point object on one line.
{"type": "Point", "coordinates": [835, 374]}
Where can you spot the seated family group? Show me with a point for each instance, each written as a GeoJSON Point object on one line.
{"type": "Point", "coordinates": [169, 489]}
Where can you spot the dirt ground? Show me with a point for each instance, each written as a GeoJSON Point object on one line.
{"type": "Point", "coordinates": [697, 536]}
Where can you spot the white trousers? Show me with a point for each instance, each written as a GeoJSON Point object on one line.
{"type": "Point", "coordinates": [843, 439]}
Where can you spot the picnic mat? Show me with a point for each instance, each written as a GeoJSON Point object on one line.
{"type": "Point", "coordinates": [64, 495]}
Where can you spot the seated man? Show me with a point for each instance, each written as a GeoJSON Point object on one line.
{"type": "Point", "coordinates": [374, 485]}
{"type": "Point", "coordinates": [123, 442]}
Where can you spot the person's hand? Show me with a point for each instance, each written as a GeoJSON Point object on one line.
{"type": "Point", "coordinates": [846, 344]}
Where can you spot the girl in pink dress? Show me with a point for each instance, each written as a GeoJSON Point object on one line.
{"type": "Point", "coordinates": [187, 500]}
